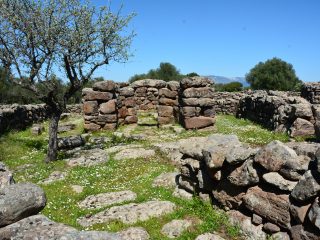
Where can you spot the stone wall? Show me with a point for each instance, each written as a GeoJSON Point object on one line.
{"type": "Point", "coordinates": [311, 92]}
{"type": "Point", "coordinates": [227, 102]}
{"type": "Point", "coordinates": [196, 103]}
{"type": "Point", "coordinates": [276, 187]}
{"type": "Point", "coordinates": [188, 102]}
{"type": "Point", "coordinates": [279, 111]}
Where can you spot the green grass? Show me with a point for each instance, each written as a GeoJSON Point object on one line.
{"type": "Point", "coordinates": [24, 155]}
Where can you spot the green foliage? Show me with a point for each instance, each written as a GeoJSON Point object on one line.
{"type": "Point", "coordinates": [229, 87]}
{"type": "Point", "coordinates": [166, 72]}
{"type": "Point", "coordinates": [274, 74]}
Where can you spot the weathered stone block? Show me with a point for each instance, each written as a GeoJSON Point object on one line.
{"type": "Point", "coordinates": [91, 127]}
{"type": "Point", "coordinates": [165, 92]}
{"type": "Point", "coordinates": [168, 101]}
{"type": "Point", "coordinates": [190, 111]}
{"type": "Point", "coordinates": [108, 107]}
{"type": "Point", "coordinates": [89, 95]}
{"type": "Point", "coordinates": [90, 107]}
{"type": "Point", "coordinates": [195, 82]}
{"type": "Point", "coordinates": [198, 122]}
{"type": "Point", "coordinates": [165, 111]}
{"type": "Point", "coordinates": [105, 86]}
{"type": "Point", "coordinates": [203, 92]}
{"type": "Point", "coordinates": [270, 206]}
{"type": "Point", "coordinates": [131, 119]}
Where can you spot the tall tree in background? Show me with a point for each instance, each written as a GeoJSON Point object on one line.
{"type": "Point", "coordinates": [274, 74]}
{"type": "Point", "coordinates": [38, 37]}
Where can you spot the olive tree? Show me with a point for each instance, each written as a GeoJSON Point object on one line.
{"type": "Point", "coordinates": [41, 37]}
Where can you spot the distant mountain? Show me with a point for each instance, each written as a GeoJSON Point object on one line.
{"type": "Point", "coordinates": [224, 80]}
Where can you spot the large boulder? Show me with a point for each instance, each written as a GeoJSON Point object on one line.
{"type": "Point", "coordinates": [302, 127]}
{"type": "Point", "coordinates": [245, 175]}
{"type": "Point", "coordinates": [307, 187]}
{"type": "Point", "coordinates": [195, 82]}
{"type": "Point", "coordinates": [198, 122]}
{"type": "Point", "coordinates": [273, 156]}
{"type": "Point", "coordinates": [19, 201]}
{"type": "Point", "coordinates": [105, 86]}
{"type": "Point", "coordinates": [273, 207]}
{"type": "Point", "coordinates": [70, 142]}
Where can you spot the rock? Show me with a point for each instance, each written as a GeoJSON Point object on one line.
{"type": "Point", "coordinates": [153, 83]}
{"type": "Point", "coordinates": [294, 169]}
{"type": "Point", "coordinates": [107, 199]}
{"type": "Point", "coordinates": [303, 110]}
{"type": "Point", "coordinates": [297, 232]}
{"type": "Point", "coordinates": [280, 236]}
{"type": "Point", "coordinates": [301, 127]}
{"type": "Point", "coordinates": [209, 236]}
{"type": "Point", "coordinates": [108, 107]}
{"type": "Point", "coordinates": [164, 92]}
{"type": "Point", "coordinates": [216, 149]}
{"type": "Point", "coordinates": [198, 102]}
{"type": "Point", "coordinates": [227, 195]}
{"type": "Point", "coordinates": [192, 147]}
{"type": "Point", "coordinates": [88, 158]}
{"type": "Point", "coordinates": [270, 206]}
{"type": "Point", "coordinates": [37, 129]}
{"type": "Point", "coordinates": [168, 101]}
{"type": "Point", "coordinates": [306, 188]}
{"type": "Point", "coordinates": [250, 231]}
{"type": "Point", "coordinates": [6, 177]}
{"type": "Point", "coordinates": [245, 175]}
{"type": "Point", "coordinates": [181, 193]}
{"type": "Point", "coordinates": [40, 227]}
{"type": "Point", "coordinates": [304, 148]}
{"type": "Point", "coordinates": [299, 212]}
{"type": "Point", "coordinates": [66, 127]}
{"type": "Point", "coordinates": [70, 142]}
{"type": "Point", "coordinates": [105, 86]}
{"type": "Point", "coordinates": [198, 122]}
{"type": "Point", "coordinates": [134, 153]}
{"type": "Point", "coordinates": [165, 111]}
{"type": "Point", "coordinates": [256, 219]}
{"type": "Point", "coordinates": [167, 180]}
{"type": "Point", "coordinates": [314, 213]}
{"type": "Point", "coordinates": [195, 82]}
{"type": "Point", "coordinates": [275, 179]}
{"type": "Point", "coordinates": [126, 91]}
{"type": "Point", "coordinates": [134, 233]}
{"type": "Point", "coordinates": [190, 111]}
{"type": "Point", "coordinates": [240, 154]}
{"type": "Point", "coordinates": [187, 184]}
{"type": "Point", "coordinates": [274, 155]}
{"type": "Point", "coordinates": [89, 95]}
{"type": "Point", "coordinates": [77, 188]}
{"type": "Point", "coordinates": [271, 228]}
{"type": "Point", "coordinates": [317, 157]}
{"type": "Point", "coordinates": [202, 92]}
{"type": "Point", "coordinates": [175, 228]}
{"type": "Point", "coordinates": [90, 107]}
{"type": "Point", "coordinates": [54, 176]}
{"type": "Point", "coordinates": [130, 213]}
{"type": "Point", "coordinates": [20, 200]}
{"type": "Point", "coordinates": [91, 127]}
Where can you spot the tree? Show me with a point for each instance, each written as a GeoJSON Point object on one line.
{"type": "Point", "coordinates": [38, 37]}
{"type": "Point", "coordinates": [229, 87]}
{"type": "Point", "coordinates": [273, 74]}
{"type": "Point", "coordinates": [166, 71]}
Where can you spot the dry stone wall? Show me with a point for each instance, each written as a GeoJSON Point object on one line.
{"type": "Point", "coordinates": [311, 92]}
{"type": "Point", "coordinates": [275, 186]}
{"type": "Point", "coordinates": [109, 104]}
{"type": "Point", "coordinates": [278, 111]}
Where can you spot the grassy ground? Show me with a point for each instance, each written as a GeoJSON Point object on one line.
{"type": "Point", "coordinates": [24, 154]}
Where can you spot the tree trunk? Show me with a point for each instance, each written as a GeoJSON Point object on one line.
{"type": "Point", "coordinates": [53, 137]}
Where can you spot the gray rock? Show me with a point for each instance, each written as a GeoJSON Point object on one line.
{"type": "Point", "coordinates": [256, 219]}
{"type": "Point", "coordinates": [153, 83]}
{"type": "Point", "coordinates": [301, 127]}
{"type": "Point", "coordinates": [187, 184]}
{"type": "Point", "coordinates": [274, 155]}
{"type": "Point", "coordinates": [130, 213]}
{"type": "Point", "coordinates": [209, 236]}
{"type": "Point", "coordinates": [54, 176]}
{"type": "Point", "coordinates": [37, 129]}
{"type": "Point", "coordinates": [195, 82]}
{"type": "Point", "coordinates": [181, 193]}
{"type": "Point", "coordinates": [240, 154]}
{"type": "Point", "coordinates": [245, 175]}
{"type": "Point", "coordinates": [87, 158]}
{"type": "Point", "coordinates": [280, 236]}
{"type": "Point", "coordinates": [250, 231]}
{"type": "Point", "coordinates": [134, 153]}
{"type": "Point", "coordinates": [134, 233]}
{"type": "Point", "coordinates": [107, 199]}
{"type": "Point", "coordinates": [271, 228]}
{"type": "Point", "coordinates": [306, 188]}
{"type": "Point", "coordinates": [175, 228]}
{"type": "Point", "coordinates": [278, 181]}
{"type": "Point", "coordinates": [314, 213]}
{"type": "Point", "coordinates": [294, 169]}
{"type": "Point", "coordinates": [6, 177]}
{"type": "Point", "coordinates": [20, 200]}
{"type": "Point", "coordinates": [70, 142]}
{"type": "Point", "coordinates": [105, 86]}
{"type": "Point", "coordinates": [299, 211]}
{"type": "Point", "coordinates": [192, 147]}
{"type": "Point", "coordinates": [304, 148]}
{"type": "Point", "coordinates": [167, 180]}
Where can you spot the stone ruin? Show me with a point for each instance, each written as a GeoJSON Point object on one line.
{"type": "Point", "coordinates": [108, 105]}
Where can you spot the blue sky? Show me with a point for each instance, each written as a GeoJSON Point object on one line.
{"type": "Point", "coordinates": [220, 37]}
